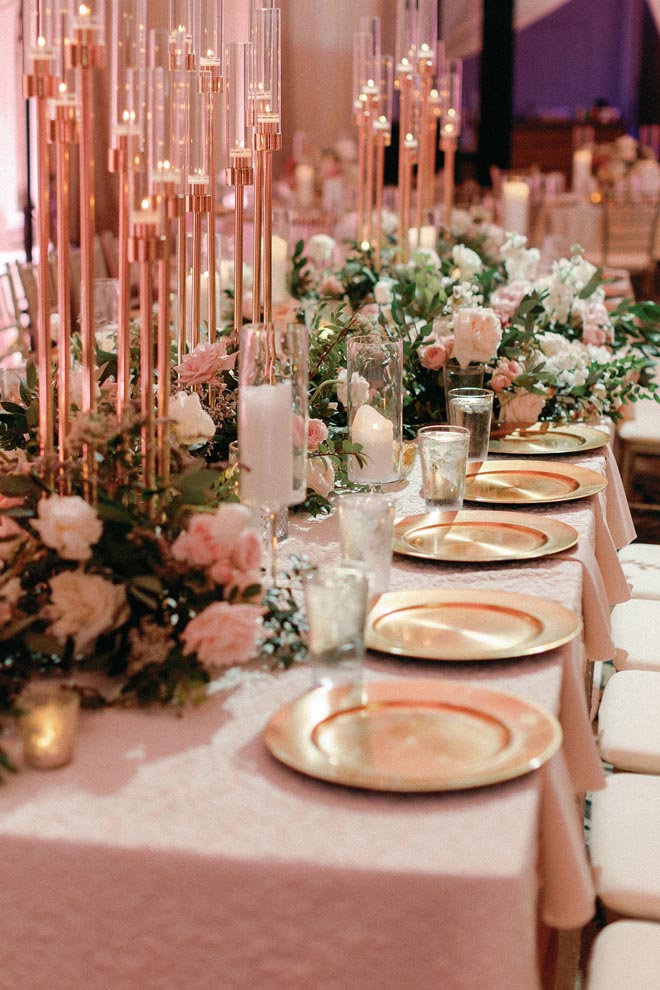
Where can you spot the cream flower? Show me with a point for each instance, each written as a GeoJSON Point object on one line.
{"type": "Point", "coordinates": [359, 388]}
{"type": "Point", "coordinates": [320, 249]}
{"type": "Point", "coordinates": [477, 335]}
{"type": "Point", "coordinates": [383, 293]}
{"type": "Point", "coordinates": [521, 407]}
{"type": "Point", "coordinates": [68, 525]}
{"type": "Point", "coordinates": [191, 423]}
{"type": "Point", "coordinates": [83, 607]}
{"type": "Point", "coordinates": [320, 475]}
{"type": "Point", "coordinates": [467, 261]}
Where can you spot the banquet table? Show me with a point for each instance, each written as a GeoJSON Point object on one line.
{"type": "Point", "coordinates": [176, 852]}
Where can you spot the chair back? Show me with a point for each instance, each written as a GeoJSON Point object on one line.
{"type": "Point", "coordinates": [630, 226]}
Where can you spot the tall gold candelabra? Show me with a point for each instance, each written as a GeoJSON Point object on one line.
{"type": "Point", "coordinates": [63, 134]}
{"type": "Point", "coordinates": [40, 85]}
{"type": "Point", "coordinates": [267, 139]}
{"type": "Point", "coordinates": [239, 174]}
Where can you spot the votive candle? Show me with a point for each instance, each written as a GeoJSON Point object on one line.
{"type": "Point", "coordinates": [48, 723]}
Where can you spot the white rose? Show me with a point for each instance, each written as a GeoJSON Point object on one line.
{"type": "Point", "coordinates": [383, 293]}
{"type": "Point", "coordinates": [477, 335]}
{"type": "Point", "coordinates": [68, 525]}
{"type": "Point", "coordinates": [83, 606]}
{"type": "Point", "coordinates": [388, 222]}
{"type": "Point", "coordinates": [191, 423]}
{"type": "Point", "coordinates": [320, 475]}
{"type": "Point", "coordinates": [359, 388]}
{"type": "Point", "coordinates": [320, 249]}
{"type": "Point", "coordinates": [466, 260]}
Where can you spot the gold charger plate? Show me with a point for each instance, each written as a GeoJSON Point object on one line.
{"type": "Point", "coordinates": [545, 438]}
{"type": "Point", "coordinates": [481, 536]}
{"type": "Point", "coordinates": [412, 735]}
{"type": "Point", "coordinates": [530, 482]}
{"type": "Point", "coordinates": [467, 624]}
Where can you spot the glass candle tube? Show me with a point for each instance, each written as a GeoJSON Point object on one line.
{"type": "Point", "coordinates": [199, 165]}
{"type": "Point", "coordinates": [128, 51]}
{"type": "Point", "coordinates": [181, 23]}
{"type": "Point", "coordinates": [268, 69]}
{"type": "Point", "coordinates": [238, 126]}
{"type": "Point", "coordinates": [42, 34]}
{"type": "Point", "coordinates": [451, 95]}
{"type": "Point", "coordinates": [48, 723]}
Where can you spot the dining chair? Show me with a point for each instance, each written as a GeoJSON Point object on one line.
{"type": "Point", "coordinates": [639, 437]}
{"type": "Point", "coordinates": [12, 336]}
{"type": "Point", "coordinates": [629, 721]}
{"type": "Point", "coordinates": [625, 954]}
{"type": "Point", "coordinates": [641, 567]}
{"type": "Point", "coordinates": [624, 844]}
{"type": "Point", "coordinates": [628, 234]}
{"type": "Point", "coordinates": [635, 625]}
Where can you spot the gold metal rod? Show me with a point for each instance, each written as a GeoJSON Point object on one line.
{"type": "Point", "coordinates": [238, 259]}
{"type": "Point", "coordinates": [87, 227]}
{"type": "Point", "coordinates": [124, 273]}
{"type": "Point", "coordinates": [380, 178]}
{"type": "Point", "coordinates": [429, 184]}
{"type": "Point", "coordinates": [422, 168]}
{"type": "Point", "coordinates": [164, 361]}
{"type": "Point", "coordinates": [405, 90]}
{"type": "Point", "coordinates": [210, 230]}
{"type": "Point", "coordinates": [43, 339]}
{"type": "Point", "coordinates": [196, 278]}
{"type": "Point", "coordinates": [181, 288]}
{"type": "Point", "coordinates": [369, 184]}
{"type": "Point", "coordinates": [146, 375]}
{"type": "Point", "coordinates": [448, 145]}
{"type": "Point", "coordinates": [62, 157]}
{"type": "Point", "coordinates": [362, 162]}
{"type": "Point", "coordinates": [257, 234]}
{"type": "Point", "coordinates": [406, 199]}
{"type": "Point", "coordinates": [268, 236]}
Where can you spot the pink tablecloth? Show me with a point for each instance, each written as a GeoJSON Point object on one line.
{"type": "Point", "coordinates": [177, 853]}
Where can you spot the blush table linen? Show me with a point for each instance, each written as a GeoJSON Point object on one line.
{"type": "Point", "coordinates": [176, 852]}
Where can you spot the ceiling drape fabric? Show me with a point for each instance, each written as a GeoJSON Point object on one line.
{"type": "Point", "coordinates": [461, 21]}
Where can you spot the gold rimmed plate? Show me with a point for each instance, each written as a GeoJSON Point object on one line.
{"type": "Point", "coordinates": [481, 536]}
{"type": "Point", "coordinates": [467, 624]}
{"type": "Point", "coordinates": [412, 735]}
{"type": "Point", "coordinates": [545, 438]}
{"type": "Point", "coordinates": [530, 482]}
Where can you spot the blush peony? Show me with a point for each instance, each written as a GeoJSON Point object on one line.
{"type": "Point", "coordinates": [317, 432]}
{"type": "Point", "coordinates": [521, 407]}
{"type": "Point", "coordinates": [225, 544]}
{"type": "Point", "coordinates": [204, 365]}
{"type": "Point", "coordinates": [67, 524]}
{"type": "Point", "coordinates": [506, 371]}
{"type": "Point", "coordinates": [222, 634]}
{"type": "Point", "coordinates": [477, 334]}
{"type": "Point", "coordinates": [435, 354]}
{"type": "Point", "coordinates": [83, 607]}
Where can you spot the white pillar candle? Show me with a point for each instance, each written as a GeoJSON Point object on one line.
{"type": "Point", "coordinates": [304, 179]}
{"type": "Point", "coordinates": [280, 252]}
{"type": "Point", "coordinates": [581, 177]}
{"type": "Point", "coordinates": [515, 206]}
{"type": "Point", "coordinates": [376, 434]}
{"type": "Point", "coordinates": [265, 432]}
{"type": "Point", "coordinates": [427, 237]}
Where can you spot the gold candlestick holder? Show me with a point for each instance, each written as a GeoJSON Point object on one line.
{"type": "Point", "coordinates": [426, 151]}
{"type": "Point", "coordinates": [267, 139]}
{"type": "Point", "coordinates": [239, 174]}
{"type": "Point", "coordinates": [409, 152]}
{"type": "Point", "coordinates": [121, 159]}
{"type": "Point", "coordinates": [40, 85]}
{"type": "Point", "coordinates": [63, 133]}
{"type": "Point", "coordinates": [85, 54]}
{"type": "Point", "coordinates": [448, 146]}
{"type": "Point", "coordinates": [370, 113]}
{"type": "Point", "coordinates": [147, 247]}
{"type": "Point", "coordinates": [404, 178]}
{"type": "Point", "coordinates": [197, 203]}
{"type": "Point", "coordinates": [359, 118]}
{"type": "Point", "coordinates": [211, 83]}
{"type": "Point", "coordinates": [383, 136]}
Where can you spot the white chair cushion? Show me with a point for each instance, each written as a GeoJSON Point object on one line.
{"type": "Point", "coordinates": [625, 845]}
{"type": "Point", "coordinates": [626, 956]}
{"type": "Point", "coordinates": [644, 424]}
{"type": "Point", "coordinates": [641, 566]}
{"type": "Point", "coordinates": [636, 634]}
{"type": "Point", "coordinates": [629, 721]}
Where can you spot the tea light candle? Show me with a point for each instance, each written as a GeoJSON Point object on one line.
{"type": "Point", "coordinates": [515, 206]}
{"type": "Point", "coordinates": [279, 257]}
{"type": "Point", "coordinates": [376, 434]}
{"type": "Point", "coordinates": [48, 725]}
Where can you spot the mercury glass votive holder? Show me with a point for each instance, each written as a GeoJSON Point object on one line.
{"type": "Point", "coordinates": [48, 723]}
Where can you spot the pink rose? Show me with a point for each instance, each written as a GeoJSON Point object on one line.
{"type": "Point", "coordinates": [225, 544]}
{"type": "Point", "coordinates": [68, 525]}
{"type": "Point", "coordinates": [330, 285]}
{"type": "Point", "coordinates": [506, 371]}
{"type": "Point", "coordinates": [596, 326]}
{"type": "Point", "coordinates": [83, 606]}
{"type": "Point", "coordinates": [477, 334]}
{"type": "Point", "coordinates": [505, 300]}
{"type": "Point", "coordinates": [317, 432]}
{"type": "Point", "coordinates": [203, 365]}
{"type": "Point", "coordinates": [435, 355]}
{"type": "Point", "coordinates": [223, 634]}
{"type": "Point", "coordinates": [522, 407]}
